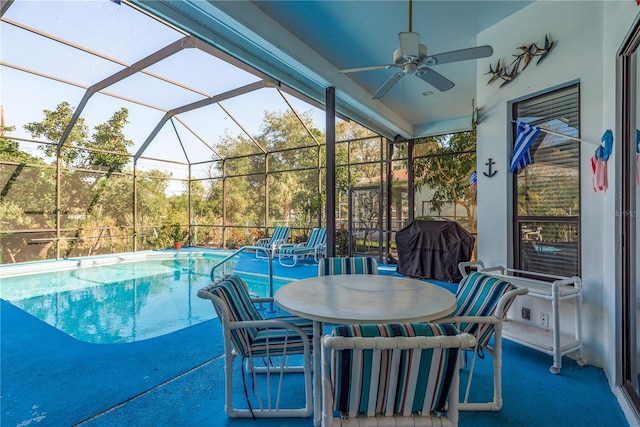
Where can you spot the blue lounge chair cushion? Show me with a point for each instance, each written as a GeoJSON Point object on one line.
{"type": "Point", "coordinates": [280, 236]}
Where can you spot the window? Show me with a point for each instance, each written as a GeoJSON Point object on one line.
{"type": "Point", "coordinates": [547, 191]}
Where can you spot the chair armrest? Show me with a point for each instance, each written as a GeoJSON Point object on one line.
{"type": "Point", "coordinates": [462, 340]}
{"type": "Point", "coordinates": [469, 319]}
{"type": "Point", "coordinates": [462, 266]}
{"type": "Point", "coordinates": [292, 245]}
{"type": "Point", "coordinates": [263, 241]}
{"type": "Point", "coordinates": [278, 242]}
{"type": "Point", "coordinates": [257, 299]}
{"type": "Point", "coordinates": [506, 299]}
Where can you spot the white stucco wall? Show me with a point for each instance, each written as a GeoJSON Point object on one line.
{"type": "Point", "coordinates": [588, 34]}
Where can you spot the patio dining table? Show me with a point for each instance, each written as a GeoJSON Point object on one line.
{"type": "Point", "coordinates": [360, 299]}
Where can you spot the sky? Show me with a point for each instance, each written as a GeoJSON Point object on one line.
{"type": "Point", "coordinates": [121, 36]}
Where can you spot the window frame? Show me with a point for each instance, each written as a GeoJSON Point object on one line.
{"type": "Point", "coordinates": [517, 220]}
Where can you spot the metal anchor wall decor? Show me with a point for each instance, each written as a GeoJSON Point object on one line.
{"type": "Point", "coordinates": [490, 172]}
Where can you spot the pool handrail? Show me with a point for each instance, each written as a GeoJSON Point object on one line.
{"type": "Point", "coordinates": [242, 249]}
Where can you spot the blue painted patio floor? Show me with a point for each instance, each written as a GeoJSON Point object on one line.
{"type": "Point", "coordinates": [51, 379]}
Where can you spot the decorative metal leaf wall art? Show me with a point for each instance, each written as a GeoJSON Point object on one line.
{"type": "Point", "coordinates": [521, 61]}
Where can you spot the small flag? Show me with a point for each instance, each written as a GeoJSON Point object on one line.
{"type": "Point", "coordinates": [525, 135]}
{"type": "Point", "coordinates": [473, 179]}
{"type": "Point", "coordinates": [638, 157]}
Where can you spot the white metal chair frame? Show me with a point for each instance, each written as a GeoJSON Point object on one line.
{"type": "Point", "coordinates": [331, 343]}
{"type": "Point", "coordinates": [316, 246]}
{"type": "Point", "coordinates": [279, 237]}
{"type": "Point", "coordinates": [272, 407]}
{"type": "Point", "coordinates": [495, 351]}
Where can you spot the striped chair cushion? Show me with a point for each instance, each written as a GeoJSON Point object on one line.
{"type": "Point", "coordinates": [280, 342]}
{"type": "Point", "coordinates": [257, 342]}
{"type": "Point", "coordinates": [427, 391]}
{"type": "Point", "coordinates": [296, 250]}
{"type": "Point", "coordinates": [352, 265]}
{"type": "Point", "coordinates": [280, 235]}
{"type": "Point", "coordinates": [233, 291]}
{"type": "Point", "coordinates": [317, 237]}
{"type": "Point", "coordinates": [478, 295]}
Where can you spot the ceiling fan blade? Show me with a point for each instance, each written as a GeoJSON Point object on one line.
{"type": "Point", "coordinates": [435, 79]}
{"type": "Point", "coordinates": [369, 68]}
{"type": "Point", "coordinates": [459, 55]}
{"type": "Point", "coordinates": [410, 44]}
{"type": "Point", "coordinates": [388, 85]}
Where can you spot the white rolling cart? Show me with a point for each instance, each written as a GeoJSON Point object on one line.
{"type": "Point", "coordinates": [559, 290]}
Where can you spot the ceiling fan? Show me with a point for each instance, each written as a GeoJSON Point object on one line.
{"type": "Point", "coordinates": [412, 58]}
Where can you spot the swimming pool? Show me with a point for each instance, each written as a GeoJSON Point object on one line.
{"type": "Point", "coordinates": [119, 299]}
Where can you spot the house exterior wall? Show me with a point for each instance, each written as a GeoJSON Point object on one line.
{"type": "Point", "coordinates": [588, 35]}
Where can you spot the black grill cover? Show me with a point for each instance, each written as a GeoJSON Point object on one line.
{"type": "Point", "coordinates": [433, 249]}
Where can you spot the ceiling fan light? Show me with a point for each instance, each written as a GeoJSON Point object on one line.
{"type": "Point", "coordinates": [410, 68]}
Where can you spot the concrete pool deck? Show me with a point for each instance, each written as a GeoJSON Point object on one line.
{"type": "Point", "coordinates": [51, 379]}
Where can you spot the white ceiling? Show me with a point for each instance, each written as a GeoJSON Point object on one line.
{"type": "Point", "coordinates": [303, 44]}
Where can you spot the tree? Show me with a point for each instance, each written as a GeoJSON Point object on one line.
{"type": "Point", "coordinates": [109, 137]}
{"type": "Point", "coordinates": [53, 126]}
{"type": "Point", "coordinates": [78, 147]}
{"type": "Point", "coordinates": [27, 199]}
{"type": "Point", "coordinates": [445, 168]}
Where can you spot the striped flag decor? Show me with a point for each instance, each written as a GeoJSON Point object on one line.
{"type": "Point", "coordinates": [525, 135]}
{"type": "Point", "coordinates": [473, 179]}
{"type": "Point", "coordinates": [638, 157]}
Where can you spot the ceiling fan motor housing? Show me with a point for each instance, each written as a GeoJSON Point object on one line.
{"type": "Point", "coordinates": [399, 59]}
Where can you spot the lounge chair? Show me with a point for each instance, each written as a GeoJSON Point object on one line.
{"type": "Point", "coordinates": [316, 246]}
{"type": "Point", "coordinates": [269, 342]}
{"type": "Point", "coordinates": [271, 244]}
{"type": "Point", "coordinates": [347, 265]}
{"type": "Point", "coordinates": [392, 375]}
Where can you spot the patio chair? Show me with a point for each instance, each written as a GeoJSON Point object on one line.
{"type": "Point", "coordinates": [482, 304]}
{"type": "Point", "coordinates": [271, 244]}
{"type": "Point", "coordinates": [392, 375]}
{"type": "Point", "coordinates": [264, 344]}
{"type": "Point", "coordinates": [315, 246]}
{"type": "Point", "coordinates": [347, 265]}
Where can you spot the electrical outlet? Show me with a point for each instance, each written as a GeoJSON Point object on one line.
{"type": "Point", "coordinates": [526, 313]}
{"type": "Point", "coordinates": [544, 320]}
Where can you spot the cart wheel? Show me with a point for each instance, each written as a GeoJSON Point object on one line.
{"type": "Point", "coordinates": [581, 362]}
{"type": "Point", "coordinates": [554, 370]}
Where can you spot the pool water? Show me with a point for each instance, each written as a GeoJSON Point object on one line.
{"type": "Point", "coordinates": [123, 302]}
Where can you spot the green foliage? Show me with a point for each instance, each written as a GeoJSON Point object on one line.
{"type": "Point", "coordinates": [77, 148]}
{"type": "Point", "coordinates": [10, 149]}
{"type": "Point", "coordinates": [52, 128]}
{"type": "Point", "coordinates": [177, 233]}
{"type": "Point", "coordinates": [97, 211]}
{"type": "Point", "coordinates": [448, 162]}
{"type": "Point", "coordinates": [110, 139]}
{"type": "Point", "coordinates": [235, 238]}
